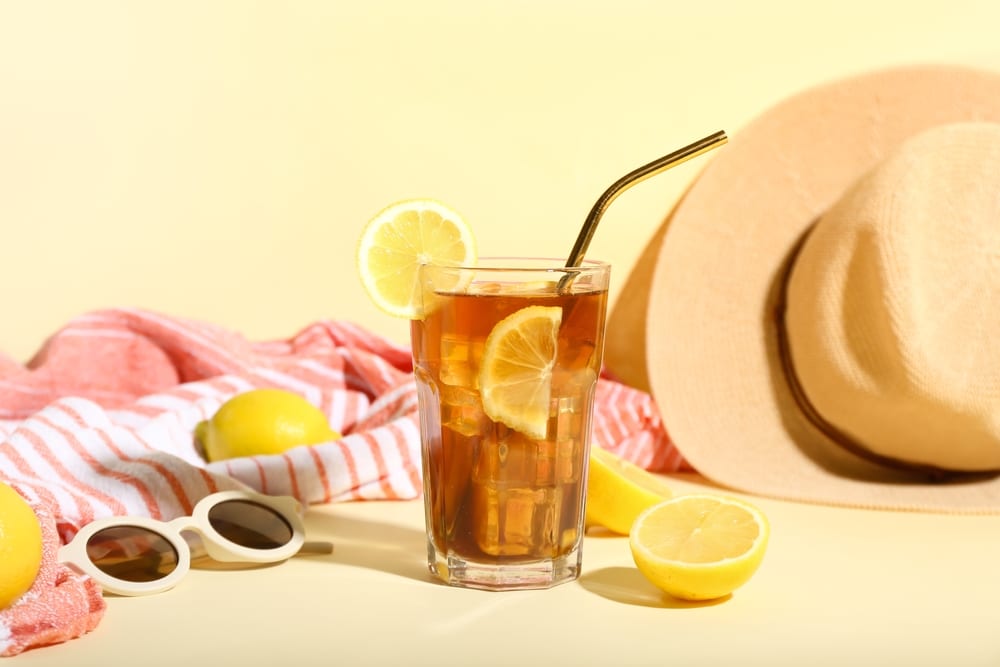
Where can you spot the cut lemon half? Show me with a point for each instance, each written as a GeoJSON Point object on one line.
{"type": "Point", "coordinates": [699, 546]}
{"type": "Point", "coordinates": [515, 374]}
{"type": "Point", "coordinates": [618, 491]}
{"type": "Point", "coordinates": [398, 240]}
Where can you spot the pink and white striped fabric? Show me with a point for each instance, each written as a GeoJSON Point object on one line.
{"type": "Point", "coordinates": [100, 422]}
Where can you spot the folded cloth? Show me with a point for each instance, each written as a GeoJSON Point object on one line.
{"type": "Point", "coordinates": [60, 604]}
{"type": "Point", "coordinates": [100, 422]}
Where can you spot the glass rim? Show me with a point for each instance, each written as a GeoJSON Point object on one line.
{"type": "Point", "coordinates": [523, 263]}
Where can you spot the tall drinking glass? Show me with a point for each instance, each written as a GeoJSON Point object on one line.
{"type": "Point", "coordinates": [506, 360]}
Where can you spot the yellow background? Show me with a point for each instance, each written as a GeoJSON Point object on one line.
{"type": "Point", "coordinates": [217, 160]}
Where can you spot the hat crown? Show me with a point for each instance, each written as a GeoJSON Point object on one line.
{"type": "Point", "coordinates": [892, 304]}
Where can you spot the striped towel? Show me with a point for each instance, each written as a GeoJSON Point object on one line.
{"type": "Point", "coordinates": [100, 421]}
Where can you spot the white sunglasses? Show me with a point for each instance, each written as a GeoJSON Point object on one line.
{"type": "Point", "coordinates": [140, 555]}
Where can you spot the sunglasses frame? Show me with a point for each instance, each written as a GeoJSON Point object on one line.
{"type": "Point", "coordinates": [218, 547]}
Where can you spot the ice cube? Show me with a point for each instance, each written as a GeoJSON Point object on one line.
{"type": "Point", "coordinates": [460, 361]}
{"type": "Point", "coordinates": [462, 410]}
{"type": "Point", "coordinates": [506, 458]}
{"type": "Point", "coordinates": [572, 396]}
{"type": "Point", "coordinates": [517, 521]}
{"type": "Point", "coordinates": [558, 461]}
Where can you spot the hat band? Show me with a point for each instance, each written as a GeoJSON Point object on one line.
{"type": "Point", "coordinates": [831, 431]}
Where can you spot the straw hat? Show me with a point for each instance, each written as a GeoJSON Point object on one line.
{"type": "Point", "coordinates": [821, 308]}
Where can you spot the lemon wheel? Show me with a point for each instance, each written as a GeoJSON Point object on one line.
{"type": "Point", "coordinates": [398, 240]}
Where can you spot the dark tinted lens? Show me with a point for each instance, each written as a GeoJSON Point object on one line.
{"type": "Point", "coordinates": [131, 553]}
{"type": "Point", "coordinates": [249, 524]}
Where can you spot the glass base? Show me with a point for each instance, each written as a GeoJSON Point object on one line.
{"type": "Point", "coordinates": [511, 576]}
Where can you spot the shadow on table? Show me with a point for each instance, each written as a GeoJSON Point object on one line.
{"type": "Point", "coordinates": [377, 545]}
{"type": "Point", "coordinates": [628, 586]}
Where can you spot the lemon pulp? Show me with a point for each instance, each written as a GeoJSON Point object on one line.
{"type": "Point", "coordinates": [699, 546]}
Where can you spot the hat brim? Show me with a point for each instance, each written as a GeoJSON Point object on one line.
{"type": "Point", "coordinates": [712, 356]}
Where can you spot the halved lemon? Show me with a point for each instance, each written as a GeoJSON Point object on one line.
{"type": "Point", "coordinates": [398, 240]}
{"type": "Point", "coordinates": [618, 491]}
{"type": "Point", "coordinates": [515, 374]}
{"type": "Point", "coordinates": [699, 546]}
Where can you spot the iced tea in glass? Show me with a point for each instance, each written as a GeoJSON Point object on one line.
{"type": "Point", "coordinates": [505, 478]}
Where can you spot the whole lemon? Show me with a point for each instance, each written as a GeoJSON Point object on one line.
{"type": "Point", "coordinates": [263, 421]}
{"type": "Point", "coordinates": [20, 546]}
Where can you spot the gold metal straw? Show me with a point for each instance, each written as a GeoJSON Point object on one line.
{"type": "Point", "coordinates": [630, 179]}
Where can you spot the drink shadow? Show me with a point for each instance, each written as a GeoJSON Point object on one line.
{"type": "Point", "coordinates": [200, 560]}
{"type": "Point", "coordinates": [376, 545]}
{"type": "Point", "coordinates": [627, 586]}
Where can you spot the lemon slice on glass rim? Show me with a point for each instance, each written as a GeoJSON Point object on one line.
{"type": "Point", "coordinates": [398, 240]}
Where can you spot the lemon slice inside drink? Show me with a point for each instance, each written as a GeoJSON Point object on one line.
{"type": "Point", "coordinates": [618, 491]}
{"type": "Point", "coordinates": [398, 240]}
{"type": "Point", "coordinates": [699, 546]}
{"type": "Point", "coordinates": [515, 374]}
